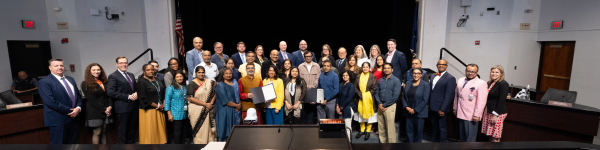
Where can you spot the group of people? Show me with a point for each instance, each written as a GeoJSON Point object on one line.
{"type": "Point", "coordinates": [216, 96]}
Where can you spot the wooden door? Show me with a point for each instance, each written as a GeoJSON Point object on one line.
{"type": "Point", "coordinates": [555, 66]}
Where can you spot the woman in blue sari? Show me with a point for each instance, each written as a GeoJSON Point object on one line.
{"type": "Point", "coordinates": [227, 104]}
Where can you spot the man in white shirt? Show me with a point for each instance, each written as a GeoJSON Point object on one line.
{"type": "Point", "coordinates": [211, 70]}
{"type": "Point", "coordinates": [62, 103]}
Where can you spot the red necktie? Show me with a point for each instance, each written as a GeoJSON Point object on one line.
{"type": "Point", "coordinates": [438, 74]}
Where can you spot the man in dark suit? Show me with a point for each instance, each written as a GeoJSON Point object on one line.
{"type": "Point", "coordinates": [397, 59]}
{"type": "Point", "coordinates": [121, 87]}
{"type": "Point", "coordinates": [240, 57]}
{"type": "Point", "coordinates": [298, 56]}
{"type": "Point", "coordinates": [416, 63]}
{"type": "Point", "coordinates": [62, 103]}
{"type": "Point", "coordinates": [442, 95]}
{"type": "Point", "coordinates": [265, 65]}
{"type": "Point", "coordinates": [341, 63]}
{"type": "Point", "coordinates": [283, 54]}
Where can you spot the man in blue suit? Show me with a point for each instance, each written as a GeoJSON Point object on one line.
{"type": "Point", "coordinates": [283, 54]}
{"type": "Point", "coordinates": [62, 103]}
{"type": "Point", "coordinates": [219, 58]}
{"type": "Point", "coordinates": [240, 57]}
{"type": "Point", "coordinates": [298, 56]}
{"type": "Point", "coordinates": [121, 88]}
{"type": "Point", "coordinates": [397, 59]}
{"type": "Point", "coordinates": [442, 95]}
{"type": "Point", "coordinates": [194, 57]}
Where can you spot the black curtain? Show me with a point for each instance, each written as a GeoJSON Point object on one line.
{"type": "Point", "coordinates": [337, 23]}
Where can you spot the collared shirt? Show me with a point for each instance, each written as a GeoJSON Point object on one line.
{"type": "Point", "coordinates": [60, 79]}
{"type": "Point", "coordinates": [390, 55]}
{"type": "Point", "coordinates": [284, 54]}
{"type": "Point", "coordinates": [388, 90]}
{"type": "Point", "coordinates": [341, 62]}
{"type": "Point", "coordinates": [125, 75]}
{"type": "Point", "coordinates": [210, 72]}
{"type": "Point", "coordinates": [200, 55]}
{"type": "Point", "coordinates": [436, 79]}
{"type": "Point", "coordinates": [243, 57]}
{"type": "Point", "coordinates": [257, 70]}
{"type": "Point", "coordinates": [309, 65]}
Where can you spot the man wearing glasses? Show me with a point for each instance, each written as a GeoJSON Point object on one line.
{"type": "Point", "coordinates": [443, 85]}
{"type": "Point", "coordinates": [298, 56]}
{"type": "Point", "coordinates": [407, 77]}
{"type": "Point", "coordinates": [469, 102]}
{"type": "Point", "coordinates": [310, 72]}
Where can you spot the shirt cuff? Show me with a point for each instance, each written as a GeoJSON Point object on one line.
{"type": "Point", "coordinates": [79, 108]}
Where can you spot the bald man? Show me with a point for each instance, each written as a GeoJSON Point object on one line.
{"type": "Point", "coordinates": [283, 54]}
{"type": "Point", "coordinates": [298, 56]}
{"type": "Point", "coordinates": [194, 57]}
{"type": "Point", "coordinates": [24, 83]}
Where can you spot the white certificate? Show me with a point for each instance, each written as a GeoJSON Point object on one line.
{"type": "Point", "coordinates": [320, 98]}
{"type": "Point", "coordinates": [269, 92]}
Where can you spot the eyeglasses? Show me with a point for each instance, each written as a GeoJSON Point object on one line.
{"type": "Point", "coordinates": [173, 64]}
{"type": "Point", "coordinates": [471, 72]}
{"type": "Point", "coordinates": [123, 63]}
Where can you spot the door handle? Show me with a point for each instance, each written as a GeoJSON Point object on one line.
{"type": "Point", "coordinates": [557, 77]}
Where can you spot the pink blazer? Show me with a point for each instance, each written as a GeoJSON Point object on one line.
{"type": "Point", "coordinates": [466, 109]}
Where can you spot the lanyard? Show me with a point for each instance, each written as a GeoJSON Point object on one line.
{"type": "Point", "coordinates": [157, 89]}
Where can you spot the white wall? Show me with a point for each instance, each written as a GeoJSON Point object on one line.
{"type": "Point", "coordinates": [11, 13]}
{"type": "Point", "coordinates": [502, 43]}
{"type": "Point", "coordinates": [94, 39]}
{"type": "Point", "coordinates": [582, 25]}
{"type": "Point", "coordinates": [160, 24]}
{"type": "Point", "coordinates": [432, 31]}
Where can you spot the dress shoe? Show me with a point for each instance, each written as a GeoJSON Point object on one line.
{"type": "Point", "coordinates": [367, 136]}
{"type": "Point", "coordinates": [359, 134]}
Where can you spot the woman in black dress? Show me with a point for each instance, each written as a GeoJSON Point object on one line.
{"type": "Point", "coordinates": [99, 105]}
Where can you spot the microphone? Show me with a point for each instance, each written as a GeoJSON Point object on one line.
{"type": "Point", "coordinates": [279, 130]}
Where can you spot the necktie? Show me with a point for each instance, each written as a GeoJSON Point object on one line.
{"type": "Point", "coordinates": [128, 80]}
{"type": "Point", "coordinates": [70, 92]}
{"type": "Point", "coordinates": [341, 61]}
{"type": "Point", "coordinates": [284, 56]}
{"type": "Point", "coordinates": [438, 74]}
{"type": "Point", "coordinates": [466, 81]}
{"type": "Point", "coordinates": [243, 58]}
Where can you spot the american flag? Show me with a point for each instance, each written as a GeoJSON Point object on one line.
{"type": "Point", "coordinates": [179, 32]}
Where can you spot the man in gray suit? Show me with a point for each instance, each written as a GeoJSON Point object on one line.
{"type": "Point", "coordinates": [219, 58]}
{"type": "Point", "coordinates": [194, 57]}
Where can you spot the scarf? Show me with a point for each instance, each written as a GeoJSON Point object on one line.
{"type": "Point", "coordinates": [365, 105]}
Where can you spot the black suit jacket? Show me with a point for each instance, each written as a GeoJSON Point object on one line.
{"type": "Point", "coordinates": [264, 67]}
{"type": "Point", "coordinates": [496, 100]}
{"type": "Point", "coordinates": [337, 63]}
{"type": "Point", "coordinates": [119, 89]}
{"type": "Point", "coordinates": [442, 94]}
{"type": "Point", "coordinates": [97, 102]}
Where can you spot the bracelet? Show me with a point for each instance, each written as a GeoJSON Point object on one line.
{"type": "Point", "coordinates": [158, 106]}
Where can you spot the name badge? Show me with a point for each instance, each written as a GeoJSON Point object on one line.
{"type": "Point", "coordinates": [185, 107]}
{"type": "Point", "coordinates": [470, 97]}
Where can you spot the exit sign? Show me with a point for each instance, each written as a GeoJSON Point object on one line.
{"type": "Point", "coordinates": [557, 24]}
{"type": "Point", "coordinates": [28, 24]}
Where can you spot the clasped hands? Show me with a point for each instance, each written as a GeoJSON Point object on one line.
{"type": "Point", "coordinates": [133, 96]}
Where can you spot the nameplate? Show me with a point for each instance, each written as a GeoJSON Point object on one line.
{"type": "Point", "coordinates": [562, 104]}
{"type": "Point", "coordinates": [19, 105]}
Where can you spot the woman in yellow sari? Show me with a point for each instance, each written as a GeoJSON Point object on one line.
{"type": "Point", "coordinates": [365, 103]}
{"type": "Point", "coordinates": [201, 99]}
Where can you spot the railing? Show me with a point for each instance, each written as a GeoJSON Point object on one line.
{"type": "Point", "coordinates": [447, 51]}
{"type": "Point", "coordinates": [138, 57]}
